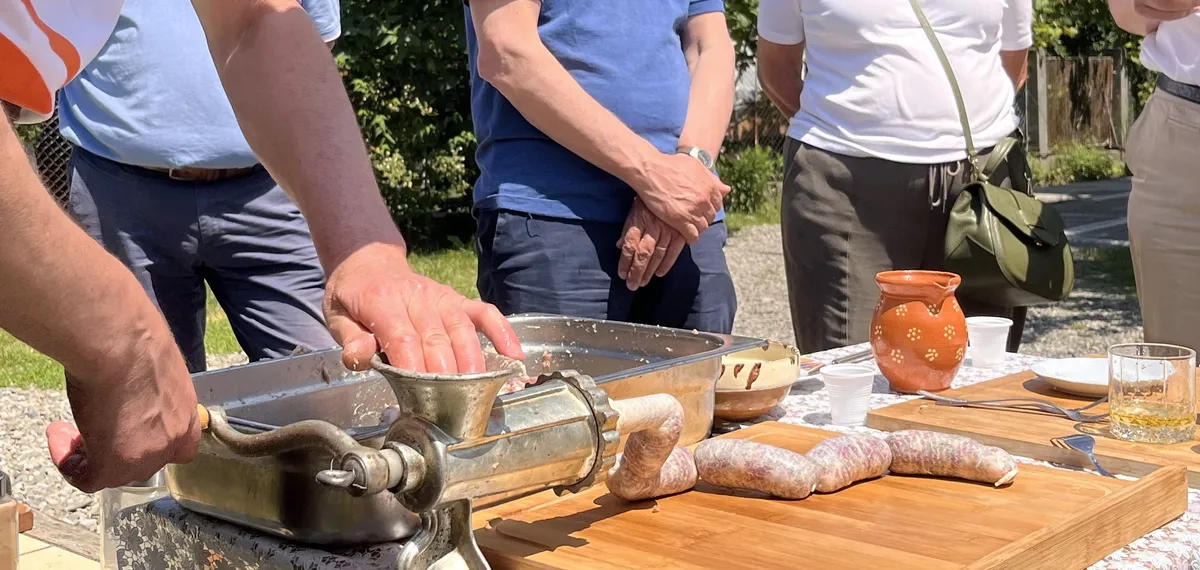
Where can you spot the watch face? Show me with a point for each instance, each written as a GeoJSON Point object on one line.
{"type": "Point", "coordinates": [704, 157]}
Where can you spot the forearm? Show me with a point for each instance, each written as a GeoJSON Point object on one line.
{"type": "Point", "coordinates": [710, 103]}
{"type": "Point", "coordinates": [546, 95]}
{"type": "Point", "coordinates": [782, 86]}
{"type": "Point", "coordinates": [779, 72]}
{"type": "Point", "coordinates": [62, 293]}
{"type": "Point", "coordinates": [292, 107]}
{"type": "Point", "coordinates": [1129, 20]}
{"type": "Point", "coordinates": [784, 93]}
{"type": "Point", "coordinates": [1016, 65]}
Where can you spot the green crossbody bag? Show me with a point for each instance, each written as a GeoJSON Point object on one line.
{"type": "Point", "coordinates": [1009, 248]}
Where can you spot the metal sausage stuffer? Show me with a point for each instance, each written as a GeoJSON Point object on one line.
{"type": "Point", "coordinates": [448, 449]}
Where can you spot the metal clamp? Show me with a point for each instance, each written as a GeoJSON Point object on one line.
{"type": "Point", "coordinates": [607, 438]}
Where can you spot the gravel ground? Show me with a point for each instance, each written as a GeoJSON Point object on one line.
{"type": "Point", "coordinates": [24, 415]}
{"type": "Point", "coordinates": [1098, 314]}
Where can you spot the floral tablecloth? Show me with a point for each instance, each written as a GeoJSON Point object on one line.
{"type": "Point", "coordinates": [1175, 546]}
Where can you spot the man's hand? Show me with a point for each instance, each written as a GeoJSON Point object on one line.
{"type": "Point", "coordinates": [374, 302]}
{"type": "Point", "coordinates": [130, 426]}
{"type": "Point", "coordinates": [1166, 10]}
{"type": "Point", "coordinates": [66, 297]}
{"type": "Point", "coordinates": [648, 246]}
{"type": "Point", "coordinates": [681, 192]}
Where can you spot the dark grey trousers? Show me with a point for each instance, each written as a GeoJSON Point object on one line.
{"type": "Point", "coordinates": [845, 219]}
{"type": "Point", "coordinates": [244, 237]}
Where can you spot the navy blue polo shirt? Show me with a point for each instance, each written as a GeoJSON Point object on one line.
{"type": "Point", "coordinates": [627, 54]}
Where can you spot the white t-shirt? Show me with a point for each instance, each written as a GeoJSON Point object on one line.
{"type": "Point", "coordinates": [875, 86]}
{"type": "Point", "coordinates": [1174, 49]}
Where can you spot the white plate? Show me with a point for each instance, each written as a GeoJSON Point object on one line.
{"type": "Point", "coordinates": [1079, 376]}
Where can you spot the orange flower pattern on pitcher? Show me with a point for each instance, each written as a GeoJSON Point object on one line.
{"type": "Point", "coordinates": [918, 331]}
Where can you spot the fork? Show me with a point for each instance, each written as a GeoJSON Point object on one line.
{"type": "Point", "coordinates": [1075, 414]}
{"type": "Point", "coordinates": [1084, 444]}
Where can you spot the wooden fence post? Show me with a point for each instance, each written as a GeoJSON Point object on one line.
{"type": "Point", "coordinates": [1122, 98]}
{"type": "Point", "coordinates": [1036, 107]}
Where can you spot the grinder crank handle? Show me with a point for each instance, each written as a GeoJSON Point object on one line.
{"type": "Point", "coordinates": [363, 470]}
{"type": "Point", "coordinates": [307, 434]}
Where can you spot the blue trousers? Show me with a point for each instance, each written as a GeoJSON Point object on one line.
{"type": "Point", "coordinates": [535, 264]}
{"type": "Point", "coordinates": [244, 237]}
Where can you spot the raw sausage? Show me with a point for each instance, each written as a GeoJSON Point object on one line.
{"type": "Point", "coordinates": [921, 452]}
{"type": "Point", "coordinates": [741, 464]}
{"type": "Point", "coordinates": [651, 465]}
{"type": "Point", "coordinates": [846, 459]}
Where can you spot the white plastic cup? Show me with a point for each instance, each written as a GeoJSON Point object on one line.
{"type": "Point", "coordinates": [849, 387]}
{"type": "Point", "coordinates": [988, 340]}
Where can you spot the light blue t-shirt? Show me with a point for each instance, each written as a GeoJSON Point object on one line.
{"type": "Point", "coordinates": [152, 96]}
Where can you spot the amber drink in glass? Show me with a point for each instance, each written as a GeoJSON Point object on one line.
{"type": "Point", "coordinates": [1152, 392]}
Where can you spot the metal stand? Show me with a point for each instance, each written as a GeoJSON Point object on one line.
{"type": "Point", "coordinates": [444, 542]}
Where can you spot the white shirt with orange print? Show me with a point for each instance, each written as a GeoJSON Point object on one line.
{"type": "Point", "coordinates": [44, 44]}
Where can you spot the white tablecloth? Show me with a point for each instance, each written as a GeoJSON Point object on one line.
{"type": "Point", "coordinates": [1175, 546]}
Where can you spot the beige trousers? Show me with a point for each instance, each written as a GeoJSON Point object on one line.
{"type": "Point", "coordinates": [1163, 152]}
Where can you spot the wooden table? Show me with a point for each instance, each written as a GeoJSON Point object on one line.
{"type": "Point", "coordinates": [1176, 546]}
{"type": "Point", "coordinates": [165, 536]}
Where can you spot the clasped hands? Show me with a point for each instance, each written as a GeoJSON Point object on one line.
{"type": "Point", "coordinates": [677, 200]}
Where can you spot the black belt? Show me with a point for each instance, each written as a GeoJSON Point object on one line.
{"type": "Point", "coordinates": [1178, 89]}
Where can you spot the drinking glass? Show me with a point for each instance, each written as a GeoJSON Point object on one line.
{"type": "Point", "coordinates": [1152, 392]}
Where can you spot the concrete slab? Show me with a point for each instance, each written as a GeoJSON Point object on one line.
{"type": "Point", "coordinates": [1094, 212]}
{"type": "Point", "coordinates": [37, 555]}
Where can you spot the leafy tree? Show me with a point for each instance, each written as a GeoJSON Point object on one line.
{"type": "Point", "coordinates": [741, 16]}
{"type": "Point", "coordinates": [405, 68]}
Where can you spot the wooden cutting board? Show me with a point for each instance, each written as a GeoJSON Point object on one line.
{"type": "Point", "coordinates": [1048, 518]}
{"type": "Point", "coordinates": [1028, 433]}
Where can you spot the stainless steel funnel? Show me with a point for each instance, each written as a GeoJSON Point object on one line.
{"type": "Point", "coordinates": [459, 404]}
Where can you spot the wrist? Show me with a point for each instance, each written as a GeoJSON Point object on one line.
{"type": "Point", "coordinates": [706, 159]}
{"type": "Point", "coordinates": [374, 255]}
{"type": "Point", "coordinates": [339, 241]}
{"type": "Point", "coordinates": [109, 356]}
{"type": "Point", "coordinates": [638, 164]}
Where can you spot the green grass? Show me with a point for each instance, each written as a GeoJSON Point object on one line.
{"type": "Point", "coordinates": [218, 335]}
{"type": "Point", "coordinates": [767, 215]}
{"type": "Point", "coordinates": [1113, 265]}
{"type": "Point", "coordinates": [21, 366]}
{"type": "Point", "coordinates": [24, 367]}
{"type": "Point", "coordinates": [453, 267]}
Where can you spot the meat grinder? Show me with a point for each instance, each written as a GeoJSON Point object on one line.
{"type": "Point", "coordinates": [456, 442]}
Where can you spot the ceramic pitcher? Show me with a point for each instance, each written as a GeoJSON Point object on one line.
{"type": "Point", "coordinates": [918, 331]}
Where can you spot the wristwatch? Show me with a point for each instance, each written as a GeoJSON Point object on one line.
{"type": "Point", "coordinates": [698, 154]}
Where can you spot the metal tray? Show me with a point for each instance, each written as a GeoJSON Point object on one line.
{"type": "Point", "coordinates": [279, 495]}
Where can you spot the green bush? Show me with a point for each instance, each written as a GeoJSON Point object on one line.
{"type": "Point", "coordinates": [405, 68]}
{"type": "Point", "coordinates": [753, 174]}
{"type": "Point", "coordinates": [1076, 163]}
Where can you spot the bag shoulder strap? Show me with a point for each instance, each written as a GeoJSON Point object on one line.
{"type": "Point", "coordinates": [958, 99]}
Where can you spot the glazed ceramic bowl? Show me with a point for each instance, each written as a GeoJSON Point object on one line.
{"type": "Point", "coordinates": [754, 381]}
